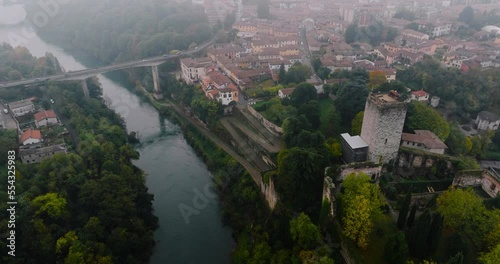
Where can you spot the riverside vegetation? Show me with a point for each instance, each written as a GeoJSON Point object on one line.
{"type": "Point", "coordinates": [88, 206]}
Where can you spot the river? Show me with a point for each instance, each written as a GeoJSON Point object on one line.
{"type": "Point", "coordinates": [174, 173]}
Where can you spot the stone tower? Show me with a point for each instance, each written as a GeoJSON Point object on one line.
{"type": "Point", "coordinates": [382, 126]}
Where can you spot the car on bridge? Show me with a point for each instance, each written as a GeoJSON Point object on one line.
{"type": "Point", "coordinates": [165, 55]}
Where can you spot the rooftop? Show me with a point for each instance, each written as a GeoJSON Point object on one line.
{"type": "Point", "coordinates": [31, 134]}
{"type": "Point", "coordinates": [485, 115]}
{"type": "Point", "coordinates": [45, 114]}
{"type": "Point", "coordinates": [19, 104]}
{"type": "Point", "coordinates": [425, 137]}
{"type": "Point", "coordinates": [45, 150]}
{"type": "Point", "coordinates": [354, 141]}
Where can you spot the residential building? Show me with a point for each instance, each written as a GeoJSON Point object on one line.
{"type": "Point", "coordinates": [487, 121]}
{"type": "Point", "coordinates": [194, 69]}
{"type": "Point", "coordinates": [414, 34]}
{"type": "Point", "coordinates": [46, 117]}
{"type": "Point", "coordinates": [354, 148]}
{"type": "Point", "coordinates": [419, 95]}
{"type": "Point", "coordinates": [424, 140]}
{"type": "Point", "coordinates": [30, 136]}
{"type": "Point", "coordinates": [285, 93]}
{"type": "Point", "coordinates": [22, 107]}
{"type": "Point", "coordinates": [36, 155]}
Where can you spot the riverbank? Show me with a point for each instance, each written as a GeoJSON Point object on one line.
{"type": "Point", "coordinates": [236, 180]}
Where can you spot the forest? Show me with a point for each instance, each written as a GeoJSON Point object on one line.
{"type": "Point", "coordinates": [88, 206]}
{"type": "Point", "coordinates": [112, 31]}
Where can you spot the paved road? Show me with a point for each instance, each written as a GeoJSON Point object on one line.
{"type": "Point", "coordinates": [86, 73]}
{"type": "Point", "coordinates": [6, 120]}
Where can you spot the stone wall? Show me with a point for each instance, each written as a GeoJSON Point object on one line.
{"type": "Point", "coordinates": [382, 127]}
{"type": "Point", "coordinates": [411, 163]}
{"type": "Point", "coordinates": [488, 180]}
{"type": "Point", "coordinates": [274, 129]}
{"type": "Point", "coordinates": [373, 171]}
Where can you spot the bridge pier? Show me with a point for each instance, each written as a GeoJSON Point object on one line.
{"type": "Point", "coordinates": [156, 81]}
{"type": "Point", "coordinates": [85, 89]}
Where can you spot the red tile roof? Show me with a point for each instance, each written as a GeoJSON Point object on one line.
{"type": "Point", "coordinates": [36, 134]}
{"type": "Point", "coordinates": [420, 93]}
{"type": "Point", "coordinates": [44, 115]}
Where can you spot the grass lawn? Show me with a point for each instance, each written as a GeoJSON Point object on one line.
{"type": "Point", "coordinates": [374, 253]}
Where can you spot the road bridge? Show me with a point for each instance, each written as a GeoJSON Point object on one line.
{"type": "Point", "coordinates": [83, 75]}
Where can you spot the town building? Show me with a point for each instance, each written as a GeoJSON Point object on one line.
{"type": "Point", "coordinates": [30, 136]}
{"type": "Point", "coordinates": [46, 117]}
{"type": "Point", "coordinates": [285, 93]}
{"type": "Point", "coordinates": [488, 180]}
{"type": "Point", "coordinates": [194, 69]}
{"type": "Point", "coordinates": [487, 121]}
{"type": "Point", "coordinates": [354, 148]}
{"type": "Point", "coordinates": [383, 122]}
{"type": "Point", "coordinates": [22, 107]}
{"type": "Point", "coordinates": [420, 95]}
{"type": "Point", "coordinates": [36, 155]}
{"type": "Point", "coordinates": [424, 140]}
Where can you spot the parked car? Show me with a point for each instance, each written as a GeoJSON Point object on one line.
{"type": "Point", "coordinates": [6, 111]}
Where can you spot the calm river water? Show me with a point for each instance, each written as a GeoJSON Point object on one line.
{"type": "Point", "coordinates": [174, 172]}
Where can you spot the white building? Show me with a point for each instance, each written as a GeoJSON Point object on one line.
{"type": "Point", "coordinates": [194, 69]}
{"type": "Point", "coordinates": [31, 137]}
{"type": "Point", "coordinates": [285, 93]}
{"type": "Point", "coordinates": [22, 107]}
{"type": "Point", "coordinates": [420, 95]}
{"type": "Point", "coordinates": [425, 140]}
{"type": "Point", "coordinates": [46, 117]}
{"type": "Point", "coordinates": [487, 121]}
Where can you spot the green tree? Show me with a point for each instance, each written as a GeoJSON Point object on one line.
{"type": "Point", "coordinates": [316, 63]}
{"type": "Point", "coordinates": [305, 234]}
{"type": "Point", "coordinates": [302, 94]}
{"type": "Point", "coordinates": [491, 257]}
{"type": "Point", "coordinates": [434, 233]}
{"type": "Point", "coordinates": [50, 204]}
{"type": "Point", "coordinates": [360, 205]}
{"type": "Point", "coordinates": [298, 73]}
{"type": "Point", "coordinates": [15, 75]}
{"type": "Point", "coordinates": [423, 117]}
{"type": "Point", "coordinates": [351, 33]}
{"type": "Point", "coordinates": [8, 142]}
{"type": "Point", "coordinates": [312, 112]}
{"type": "Point", "coordinates": [282, 74]}
{"type": "Point", "coordinates": [457, 141]}
{"type": "Point", "coordinates": [411, 217]}
{"type": "Point", "coordinates": [465, 212]}
{"type": "Point", "coordinates": [418, 236]}
{"type": "Point", "coordinates": [396, 249]}
{"type": "Point", "coordinates": [357, 123]}
{"type": "Point", "coordinates": [351, 99]}
{"type": "Point", "coordinates": [403, 213]}
{"type": "Point", "coordinates": [467, 15]}
{"type": "Point", "coordinates": [261, 254]}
